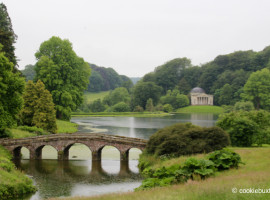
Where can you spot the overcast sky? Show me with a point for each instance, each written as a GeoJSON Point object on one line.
{"type": "Point", "coordinates": [135, 36]}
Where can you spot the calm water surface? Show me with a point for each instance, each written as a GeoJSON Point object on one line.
{"type": "Point", "coordinates": [84, 178]}
{"type": "Point", "coordinates": [80, 178]}
{"type": "Point", "coordinates": [140, 127]}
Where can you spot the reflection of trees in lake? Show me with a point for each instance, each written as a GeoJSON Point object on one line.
{"type": "Point", "coordinates": [140, 127]}
{"type": "Point", "coordinates": [57, 178]}
{"type": "Point", "coordinates": [203, 119]}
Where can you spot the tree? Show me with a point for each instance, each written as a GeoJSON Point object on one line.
{"type": "Point", "coordinates": [257, 89]}
{"type": "Point", "coordinates": [167, 108]}
{"type": "Point", "coordinates": [144, 91]}
{"type": "Point", "coordinates": [96, 82]}
{"type": "Point", "coordinates": [246, 106]}
{"type": "Point", "coordinates": [175, 99]}
{"type": "Point", "coordinates": [167, 76]}
{"type": "Point", "coordinates": [246, 128]}
{"type": "Point", "coordinates": [7, 35]}
{"type": "Point", "coordinates": [226, 95]}
{"type": "Point", "coordinates": [127, 84]}
{"type": "Point", "coordinates": [38, 107]}
{"type": "Point", "coordinates": [116, 96]}
{"type": "Point", "coordinates": [29, 72]}
{"type": "Point", "coordinates": [64, 74]}
{"type": "Point", "coordinates": [149, 105]}
{"type": "Point", "coordinates": [97, 106]}
{"type": "Point", "coordinates": [183, 86]}
{"type": "Point", "coordinates": [11, 89]}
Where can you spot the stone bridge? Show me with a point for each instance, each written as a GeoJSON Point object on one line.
{"type": "Point", "coordinates": [63, 142]}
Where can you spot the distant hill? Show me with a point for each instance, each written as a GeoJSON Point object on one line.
{"type": "Point", "coordinates": [103, 79]}
{"type": "Point", "coordinates": [135, 79]}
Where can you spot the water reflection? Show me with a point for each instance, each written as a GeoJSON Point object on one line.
{"type": "Point", "coordinates": [140, 127]}
{"type": "Point", "coordinates": [70, 178]}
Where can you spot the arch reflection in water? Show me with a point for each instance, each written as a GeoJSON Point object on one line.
{"type": "Point", "coordinates": [69, 178]}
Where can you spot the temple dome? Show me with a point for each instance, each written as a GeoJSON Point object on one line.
{"type": "Point", "coordinates": [197, 90]}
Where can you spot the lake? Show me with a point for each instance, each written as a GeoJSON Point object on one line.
{"type": "Point", "coordinates": [79, 176]}
{"type": "Point", "coordinates": [140, 127]}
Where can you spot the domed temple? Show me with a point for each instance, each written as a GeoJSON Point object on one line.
{"type": "Point", "coordinates": [199, 97]}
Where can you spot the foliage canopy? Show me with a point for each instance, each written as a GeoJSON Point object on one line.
{"type": "Point", "coordinates": [64, 74]}
{"type": "Point", "coordinates": [186, 139]}
{"type": "Point", "coordinates": [38, 107]}
{"type": "Point", "coordinates": [246, 128]}
{"type": "Point", "coordinates": [11, 89]}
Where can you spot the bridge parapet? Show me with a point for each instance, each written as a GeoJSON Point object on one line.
{"type": "Point", "coordinates": [63, 142]}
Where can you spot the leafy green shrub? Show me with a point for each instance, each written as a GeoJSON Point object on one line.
{"type": "Point", "coordinates": [227, 108]}
{"type": "Point", "coordinates": [163, 176]}
{"type": "Point", "coordinates": [246, 128]}
{"type": "Point", "coordinates": [33, 129]}
{"type": "Point", "coordinates": [121, 107]}
{"type": "Point", "coordinates": [246, 106]}
{"type": "Point", "coordinates": [225, 159]}
{"type": "Point", "coordinates": [186, 139]}
{"type": "Point", "coordinates": [167, 108]}
{"type": "Point", "coordinates": [192, 168]}
{"type": "Point", "coordinates": [138, 109]}
{"type": "Point", "coordinates": [97, 106]}
{"type": "Point", "coordinates": [197, 168]}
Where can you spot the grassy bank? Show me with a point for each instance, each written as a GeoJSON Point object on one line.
{"type": "Point", "coordinates": [13, 183]}
{"type": "Point", "coordinates": [89, 97]}
{"type": "Point", "coordinates": [62, 127]}
{"type": "Point", "coordinates": [119, 114]}
{"type": "Point", "coordinates": [201, 109]}
{"type": "Point", "coordinates": [66, 127]}
{"type": "Point", "coordinates": [255, 174]}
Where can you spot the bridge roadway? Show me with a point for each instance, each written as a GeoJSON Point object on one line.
{"type": "Point", "coordinates": [63, 142]}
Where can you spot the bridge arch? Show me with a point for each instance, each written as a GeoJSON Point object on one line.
{"type": "Point", "coordinates": [66, 149]}
{"type": "Point", "coordinates": [39, 149]}
{"type": "Point", "coordinates": [17, 151]}
{"type": "Point", "coordinates": [97, 155]}
{"type": "Point", "coordinates": [133, 153]}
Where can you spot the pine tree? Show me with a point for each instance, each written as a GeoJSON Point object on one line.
{"type": "Point", "coordinates": [7, 35]}
{"type": "Point", "coordinates": [39, 107]}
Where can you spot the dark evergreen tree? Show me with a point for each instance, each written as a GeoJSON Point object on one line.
{"type": "Point", "coordinates": [38, 108]}
{"type": "Point", "coordinates": [7, 35]}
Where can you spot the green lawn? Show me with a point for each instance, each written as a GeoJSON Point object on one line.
{"type": "Point", "coordinates": [201, 109]}
{"type": "Point", "coordinates": [254, 174]}
{"type": "Point", "coordinates": [89, 97]}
